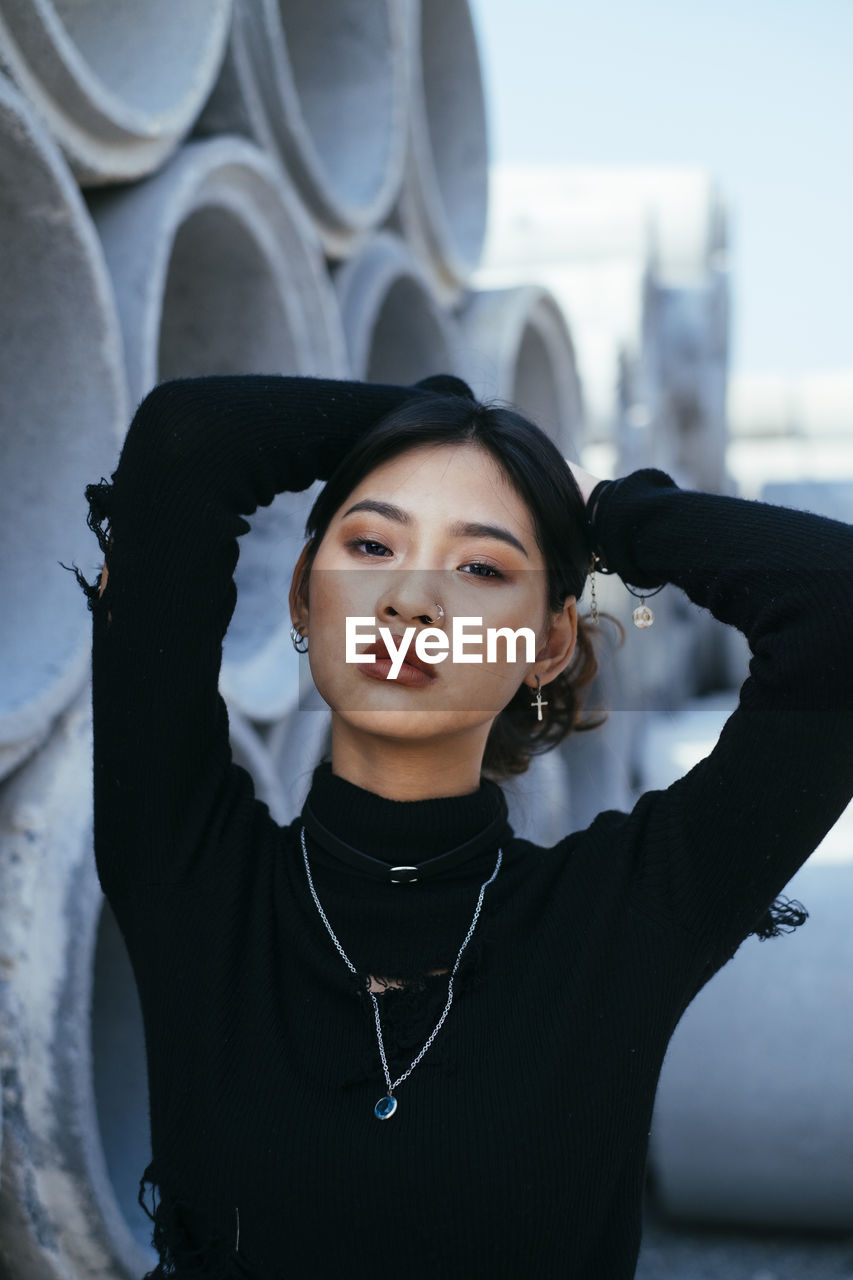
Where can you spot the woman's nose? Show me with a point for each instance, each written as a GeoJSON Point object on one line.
{"type": "Point", "coordinates": [415, 596]}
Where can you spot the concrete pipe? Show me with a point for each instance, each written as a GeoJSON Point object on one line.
{"type": "Point", "coordinates": [13, 753]}
{"type": "Point", "coordinates": [217, 234]}
{"type": "Point", "coordinates": [516, 345]}
{"type": "Point", "coordinates": [540, 800]}
{"type": "Point", "coordinates": [600, 761]}
{"type": "Point", "coordinates": [444, 198]}
{"type": "Point", "coordinates": [63, 401]}
{"type": "Point", "coordinates": [118, 85]}
{"type": "Point", "coordinates": [754, 1111]}
{"type": "Point", "coordinates": [687, 376]}
{"type": "Point", "coordinates": [329, 93]}
{"type": "Point", "coordinates": [59, 1213]}
{"type": "Point", "coordinates": [251, 752]}
{"type": "Point", "coordinates": [297, 744]}
{"type": "Point", "coordinates": [396, 329]}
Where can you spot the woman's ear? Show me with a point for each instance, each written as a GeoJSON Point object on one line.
{"type": "Point", "coordinates": [298, 597]}
{"type": "Point", "coordinates": [560, 645]}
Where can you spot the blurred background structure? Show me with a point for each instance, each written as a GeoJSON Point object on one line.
{"type": "Point", "coordinates": [307, 186]}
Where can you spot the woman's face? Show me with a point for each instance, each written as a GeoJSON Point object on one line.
{"type": "Point", "coordinates": [438, 524]}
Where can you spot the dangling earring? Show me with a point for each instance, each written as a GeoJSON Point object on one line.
{"type": "Point", "coordinates": [642, 615]}
{"type": "Point", "coordinates": [538, 704]}
{"type": "Point", "coordinates": [593, 602]}
{"type": "Point", "coordinates": [295, 637]}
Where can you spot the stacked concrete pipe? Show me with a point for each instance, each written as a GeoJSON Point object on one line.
{"type": "Point", "coordinates": [251, 752]}
{"type": "Point", "coordinates": [118, 85]}
{"type": "Point", "coordinates": [683, 369]}
{"type": "Point", "coordinates": [599, 761]}
{"type": "Point", "coordinates": [63, 404]}
{"type": "Point", "coordinates": [395, 326]}
{"type": "Point", "coordinates": [539, 801]}
{"type": "Point", "coordinates": [218, 234]}
{"type": "Point", "coordinates": [59, 1214]}
{"type": "Point", "coordinates": [517, 346]}
{"type": "Point", "coordinates": [328, 96]}
{"type": "Point", "coordinates": [296, 744]}
{"type": "Point", "coordinates": [444, 198]}
{"type": "Point", "coordinates": [754, 1108]}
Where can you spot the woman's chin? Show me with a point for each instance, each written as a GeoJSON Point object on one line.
{"type": "Point", "coordinates": [404, 724]}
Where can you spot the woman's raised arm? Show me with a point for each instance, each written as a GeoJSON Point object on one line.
{"type": "Point", "coordinates": [714, 849]}
{"type": "Point", "coordinates": [200, 454]}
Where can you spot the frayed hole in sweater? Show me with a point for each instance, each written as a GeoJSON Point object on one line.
{"type": "Point", "coordinates": [408, 1014]}
{"type": "Point", "coordinates": [99, 496]}
{"type": "Point", "coordinates": [177, 1244]}
{"type": "Point", "coordinates": [784, 915]}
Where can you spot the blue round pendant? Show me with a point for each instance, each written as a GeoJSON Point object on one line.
{"type": "Point", "coordinates": [385, 1107]}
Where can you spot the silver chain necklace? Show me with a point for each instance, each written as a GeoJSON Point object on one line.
{"type": "Point", "coordinates": [386, 1106]}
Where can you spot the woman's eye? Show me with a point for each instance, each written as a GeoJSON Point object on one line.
{"type": "Point", "coordinates": [489, 571]}
{"type": "Point", "coordinates": [492, 572]}
{"type": "Point", "coordinates": [357, 543]}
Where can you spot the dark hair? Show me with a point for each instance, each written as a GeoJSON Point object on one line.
{"type": "Point", "coordinates": [540, 475]}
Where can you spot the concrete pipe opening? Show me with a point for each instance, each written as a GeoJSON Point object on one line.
{"type": "Point", "coordinates": [395, 327]}
{"type": "Point", "coordinates": [533, 383]}
{"type": "Point", "coordinates": [517, 346]}
{"type": "Point", "coordinates": [445, 193]}
{"type": "Point", "coordinates": [217, 270]}
{"type": "Point", "coordinates": [332, 88]}
{"type": "Point", "coordinates": [63, 401]}
{"type": "Point", "coordinates": [117, 82]}
{"type": "Point", "coordinates": [407, 336]}
{"type": "Point", "coordinates": [222, 307]}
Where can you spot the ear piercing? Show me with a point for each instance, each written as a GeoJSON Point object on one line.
{"type": "Point", "coordinates": [538, 703]}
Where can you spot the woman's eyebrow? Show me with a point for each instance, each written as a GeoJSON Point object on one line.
{"type": "Point", "coordinates": [460, 529]}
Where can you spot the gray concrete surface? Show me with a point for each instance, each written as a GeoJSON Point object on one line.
{"type": "Point", "coordinates": [753, 1118]}
{"type": "Point", "coordinates": [673, 1251]}
{"type": "Point", "coordinates": [218, 234]}
{"type": "Point", "coordinates": [328, 96]}
{"type": "Point", "coordinates": [516, 345]}
{"type": "Point", "coordinates": [117, 83]}
{"type": "Point", "coordinates": [443, 201]}
{"type": "Point", "coordinates": [63, 402]}
{"type": "Point", "coordinates": [59, 1217]}
{"type": "Point", "coordinates": [395, 326]}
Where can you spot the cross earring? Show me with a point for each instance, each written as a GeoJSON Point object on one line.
{"type": "Point", "coordinates": [538, 704]}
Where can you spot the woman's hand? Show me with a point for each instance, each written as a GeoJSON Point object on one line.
{"type": "Point", "coordinates": [584, 480]}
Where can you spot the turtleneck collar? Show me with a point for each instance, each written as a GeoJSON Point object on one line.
{"type": "Point", "coordinates": [402, 832]}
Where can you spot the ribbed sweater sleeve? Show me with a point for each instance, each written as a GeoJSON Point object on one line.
{"type": "Point", "coordinates": [200, 454]}
{"type": "Point", "coordinates": [715, 849]}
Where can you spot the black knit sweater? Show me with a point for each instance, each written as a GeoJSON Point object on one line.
{"type": "Point", "coordinates": [520, 1141]}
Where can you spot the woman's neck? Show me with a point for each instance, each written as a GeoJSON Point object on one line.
{"type": "Point", "coordinates": [407, 769]}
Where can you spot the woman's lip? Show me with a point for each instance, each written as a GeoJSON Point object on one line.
{"type": "Point", "coordinates": [407, 675]}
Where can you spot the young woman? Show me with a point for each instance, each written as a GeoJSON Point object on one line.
{"type": "Point", "coordinates": [395, 1037]}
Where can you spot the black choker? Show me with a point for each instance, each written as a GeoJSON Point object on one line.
{"type": "Point", "coordinates": [491, 836]}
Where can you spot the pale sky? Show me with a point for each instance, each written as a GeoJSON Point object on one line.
{"type": "Point", "coordinates": [759, 92]}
